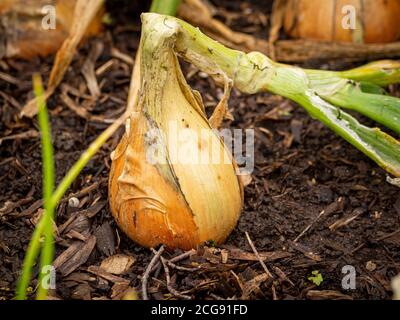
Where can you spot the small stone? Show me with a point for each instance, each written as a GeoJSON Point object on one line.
{"type": "Point", "coordinates": [203, 75]}
{"type": "Point", "coordinates": [73, 202]}
{"type": "Point", "coordinates": [371, 266]}
{"type": "Point", "coordinates": [377, 215]}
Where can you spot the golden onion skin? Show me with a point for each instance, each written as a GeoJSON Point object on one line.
{"type": "Point", "coordinates": [180, 213]}
{"type": "Point", "coordinates": [180, 204]}
{"type": "Point", "coordinates": [322, 20]}
{"type": "Point", "coordinates": [147, 208]}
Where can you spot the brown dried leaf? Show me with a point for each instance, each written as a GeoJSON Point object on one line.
{"type": "Point", "coordinates": [105, 239]}
{"type": "Point", "coordinates": [84, 12]}
{"type": "Point", "coordinates": [106, 275]}
{"type": "Point", "coordinates": [119, 290]}
{"type": "Point", "coordinates": [29, 134]}
{"type": "Point", "coordinates": [238, 254]}
{"type": "Point", "coordinates": [88, 69]}
{"type": "Point", "coordinates": [199, 14]}
{"type": "Point", "coordinates": [327, 295]}
{"type": "Point", "coordinates": [305, 250]}
{"type": "Point", "coordinates": [246, 179]}
{"type": "Point", "coordinates": [221, 110]}
{"type": "Point", "coordinates": [253, 285]}
{"type": "Point", "coordinates": [117, 264]}
{"type": "Point", "coordinates": [94, 209]}
{"type": "Point", "coordinates": [80, 224]}
{"type": "Point", "coordinates": [82, 292]}
{"type": "Point", "coordinates": [278, 11]}
{"type": "Point", "coordinates": [76, 255]}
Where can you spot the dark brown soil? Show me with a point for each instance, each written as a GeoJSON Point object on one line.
{"type": "Point", "coordinates": [301, 169]}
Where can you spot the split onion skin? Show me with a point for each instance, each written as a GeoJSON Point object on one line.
{"type": "Point", "coordinates": [322, 20]}
{"type": "Point", "coordinates": [135, 187]}
{"type": "Point", "coordinates": [153, 210]}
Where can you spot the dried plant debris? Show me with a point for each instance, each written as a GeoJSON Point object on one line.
{"type": "Point", "coordinates": [83, 14]}
{"type": "Point", "coordinates": [105, 239]}
{"type": "Point", "coordinates": [117, 264]}
{"type": "Point", "coordinates": [76, 255]}
{"type": "Point", "coordinates": [37, 28]}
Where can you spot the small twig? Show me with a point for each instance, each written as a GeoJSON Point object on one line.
{"type": "Point", "coordinates": [333, 207]}
{"type": "Point", "coordinates": [214, 296]}
{"type": "Point", "coordinates": [177, 258]}
{"type": "Point", "coordinates": [168, 278]}
{"type": "Point", "coordinates": [358, 248]}
{"type": "Point", "coordinates": [180, 268]}
{"type": "Point", "coordinates": [183, 256]}
{"type": "Point", "coordinates": [148, 271]}
{"type": "Point", "coordinates": [282, 275]}
{"type": "Point", "coordinates": [157, 270]}
{"type": "Point", "coordinates": [274, 296]}
{"type": "Point", "coordinates": [309, 253]}
{"type": "Point", "coordinates": [309, 226]}
{"type": "Point", "coordinates": [238, 281]}
{"type": "Point", "coordinates": [388, 235]}
{"type": "Point", "coordinates": [258, 256]}
{"type": "Point", "coordinates": [344, 221]}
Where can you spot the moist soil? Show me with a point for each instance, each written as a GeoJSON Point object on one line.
{"type": "Point", "coordinates": [304, 175]}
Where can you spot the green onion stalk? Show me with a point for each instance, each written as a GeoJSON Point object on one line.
{"type": "Point", "coordinates": [325, 95]}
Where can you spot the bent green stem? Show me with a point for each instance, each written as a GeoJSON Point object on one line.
{"type": "Point", "coordinates": [168, 7]}
{"type": "Point", "coordinates": [321, 93]}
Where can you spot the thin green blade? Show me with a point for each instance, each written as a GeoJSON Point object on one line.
{"type": "Point", "coordinates": [379, 146]}
{"type": "Point", "coordinates": [383, 109]}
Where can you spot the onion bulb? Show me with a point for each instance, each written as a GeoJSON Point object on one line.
{"type": "Point", "coordinates": [377, 21]}
{"type": "Point", "coordinates": [165, 187]}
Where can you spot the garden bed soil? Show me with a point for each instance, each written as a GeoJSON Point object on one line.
{"type": "Point", "coordinates": [304, 175]}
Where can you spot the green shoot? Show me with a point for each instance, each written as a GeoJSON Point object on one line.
{"type": "Point", "coordinates": [29, 261]}
{"type": "Point", "coordinates": [167, 7]}
{"type": "Point", "coordinates": [43, 227]}
{"type": "Point", "coordinates": [316, 278]}
{"type": "Point", "coordinates": [48, 185]}
{"type": "Point", "coordinates": [322, 94]}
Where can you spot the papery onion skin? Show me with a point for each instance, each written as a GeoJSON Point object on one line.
{"type": "Point", "coordinates": [152, 208]}
{"type": "Point", "coordinates": [146, 207]}
{"type": "Point", "coordinates": [178, 204]}
{"type": "Point", "coordinates": [322, 20]}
